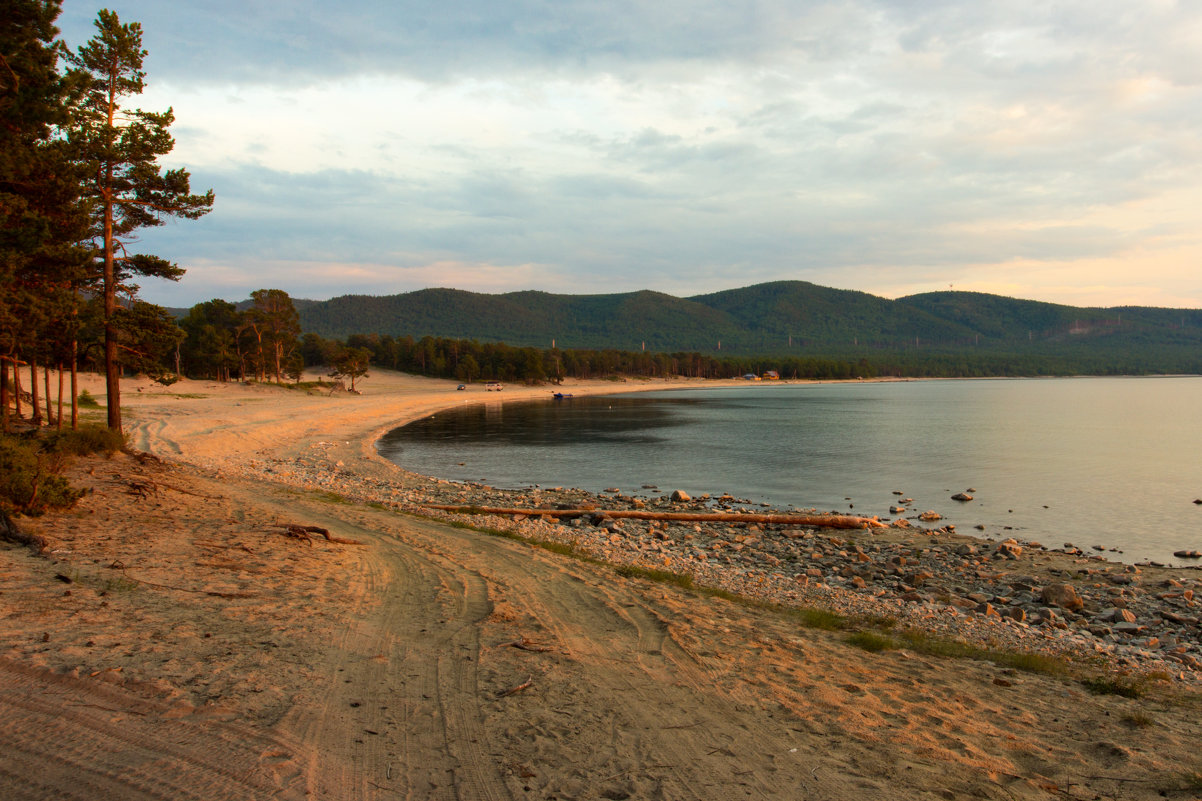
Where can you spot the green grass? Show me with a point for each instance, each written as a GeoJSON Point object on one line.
{"type": "Point", "coordinates": [871, 641]}
{"type": "Point", "coordinates": [561, 548]}
{"type": "Point", "coordinates": [331, 497]}
{"type": "Point", "coordinates": [85, 440]}
{"type": "Point", "coordinates": [930, 645]}
{"type": "Point", "coordinates": [1109, 685]}
{"type": "Point", "coordinates": [818, 618]}
{"type": "Point", "coordinates": [118, 585]}
{"type": "Point", "coordinates": [310, 387]}
{"type": "Point", "coordinates": [872, 633]}
{"type": "Point", "coordinates": [682, 580]}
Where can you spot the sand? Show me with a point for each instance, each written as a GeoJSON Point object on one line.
{"type": "Point", "coordinates": [175, 643]}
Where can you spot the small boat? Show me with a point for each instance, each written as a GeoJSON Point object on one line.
{"type": "Point", "coordinates": [560, 395]}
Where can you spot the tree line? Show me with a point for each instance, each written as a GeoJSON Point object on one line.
{"type": "Point", "coordinates": [79, 178]}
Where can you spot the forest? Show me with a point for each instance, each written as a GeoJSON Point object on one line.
{"type": "Point", "coordinates": [80, 177]}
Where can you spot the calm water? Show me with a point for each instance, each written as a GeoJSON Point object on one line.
{"type": "Point", "coordinates": [1115, 462]}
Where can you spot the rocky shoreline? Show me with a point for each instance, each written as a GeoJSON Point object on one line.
{"type": "Point", "coordinates": [1009, 595]}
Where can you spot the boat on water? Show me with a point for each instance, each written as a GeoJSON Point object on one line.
{"type": "Point", "coordinates": [560, 395]}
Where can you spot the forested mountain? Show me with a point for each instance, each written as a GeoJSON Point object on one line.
{"type": "Point", "coordinates": [623, 321]}
{"type": "Point", "coordinates": [784, 317]}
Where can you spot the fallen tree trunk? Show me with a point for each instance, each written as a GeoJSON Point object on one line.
{"type": "Point", "coordinates": [821, 521]}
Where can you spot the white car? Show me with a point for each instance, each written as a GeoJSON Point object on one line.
{"type": "Point", "coordinates": [494, 386]}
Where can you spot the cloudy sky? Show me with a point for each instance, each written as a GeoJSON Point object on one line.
{"type": "Point", "coordinates": [1042, 149]}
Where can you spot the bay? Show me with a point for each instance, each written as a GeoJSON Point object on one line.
{"type": "Point", "coordinates": [1109, 462]}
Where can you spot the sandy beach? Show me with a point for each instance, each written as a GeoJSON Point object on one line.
{"type": "Point", "coordinates": [177, 641]}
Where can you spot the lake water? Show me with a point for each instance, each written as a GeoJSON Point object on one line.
{"type": "Point", "coordinates": [1115, 462]}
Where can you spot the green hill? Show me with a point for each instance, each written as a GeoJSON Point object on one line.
{"type": "Point", "coordinates": [783, 318]}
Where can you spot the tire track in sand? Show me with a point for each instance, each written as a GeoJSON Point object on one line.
{"type": "Point", "coordinates": [87, 739]}
{"type": "Point", "coordinates": [400, 713]}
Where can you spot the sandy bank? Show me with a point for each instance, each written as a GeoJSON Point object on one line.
{"type": "Point", "coordinates": [195, 651]}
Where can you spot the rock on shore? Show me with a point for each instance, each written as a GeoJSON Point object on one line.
{"type": "Point", "coordinates": [1000, 594]}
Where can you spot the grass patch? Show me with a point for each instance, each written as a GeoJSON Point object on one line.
{"type": "Point", "coordinates": [331, 497]}
{"type": "Point", "coordinates": [930, 645]}
{"type": "Point", "coordinates": [117, 585]}
{"type": "Point", "coordinates": [310, 387]}
{"type": "Point", "coordinates": [1107, 685]}
{"type": "Point", "coordinates": [1192, 781]}
{"type": "Point", "coordinates": [878, 622]}
{"type": "Point", "coordinates": [682, 580]}
{"type": "Point", "coordinates": [1138, 720]}
{"type": "Point", "coordinates": [871, 641]}
{"type": "Point", "coordinates": [1029, 662]}
{"type": "Point", "coordinates": [85, 440]}
{"type": "Point", "coordinates": [817, 618]}
{"type": "Point", "coordinates": [561, 548]}
{"type": "Point", "coordinates": [872, 633]}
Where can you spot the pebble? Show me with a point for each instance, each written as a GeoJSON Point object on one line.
{"type": "Point", "coordinates": [962, 587]}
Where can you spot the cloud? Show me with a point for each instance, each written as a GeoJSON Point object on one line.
{"type": "Point", "coordinates": [876, 145]}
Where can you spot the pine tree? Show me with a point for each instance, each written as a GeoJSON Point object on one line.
{"type": "Point", "coordinates": [276, 324]}
{"type": "Point", "coordinates": [119, 149]}
{"type": "Point", "coordinates": [40, 218]}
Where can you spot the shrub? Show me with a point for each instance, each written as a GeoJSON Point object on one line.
{"type": "Point", "coordinates": [86, 401]}
{"type": "Point", "coordinates": [85, 440]}
{"type": "Point", "coordinates": [1102, 685]}
{"type": "Point", "coordinates": [29, 482]}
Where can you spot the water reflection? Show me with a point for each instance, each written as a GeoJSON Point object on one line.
{"type": "Point", "coordinates": [1112, 462]}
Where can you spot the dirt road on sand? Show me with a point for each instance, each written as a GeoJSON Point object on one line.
{"type": "Point", "coordinates": [175, 643]}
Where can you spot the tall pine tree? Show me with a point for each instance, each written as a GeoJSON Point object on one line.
{"type": "Point", "coordinates": [39, 212]}
{"type": "Point", "coordinates": [119, 149]}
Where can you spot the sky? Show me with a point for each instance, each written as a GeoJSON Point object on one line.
{"type": "Point", "coordinates": [1042, 149]}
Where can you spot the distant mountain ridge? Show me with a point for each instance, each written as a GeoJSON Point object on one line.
{"type": "Point", "coordinates": [769, 318]}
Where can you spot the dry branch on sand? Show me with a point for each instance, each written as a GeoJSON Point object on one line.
{"type": "Point", "coordinates": [297, 531]}
{"type": "Point", "coordinates": [525, 644]}
{"type": "Point", "coordinates": [526, 685]}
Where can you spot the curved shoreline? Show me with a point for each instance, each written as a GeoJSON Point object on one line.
{"type": "Point", "coordinates": [949, 583]}
{"type": "Point", "coordinates": [176, 621]}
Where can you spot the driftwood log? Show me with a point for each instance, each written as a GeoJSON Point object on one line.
{"type": "Point", "coordinates": [821, 521]}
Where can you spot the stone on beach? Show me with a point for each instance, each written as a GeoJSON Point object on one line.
{"type": "Point", "coordinates": [1064, 596]}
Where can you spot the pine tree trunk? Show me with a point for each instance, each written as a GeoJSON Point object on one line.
{"type": "Point", "coordinates": [59, 422]}
{"type": "Point", "coordinates": [112, 371]}
{"type": "Point", "coordinates": [46, 386]}
{"type": "Point", "coordinates": [74, 384]}
{"type": "Point", "coordinates": [17, 392]}
{"type": "Point", "coordinates": [112, 377]}
{"type": "Point", "coordinates": [3, 396]}
{"type": "Point", "coordinates": [34, 400]}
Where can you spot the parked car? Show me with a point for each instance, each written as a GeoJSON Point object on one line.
{"type": "Point", "coordinates": [461, 386]}
{"type": "Point", "coordinates": [494, 386]}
